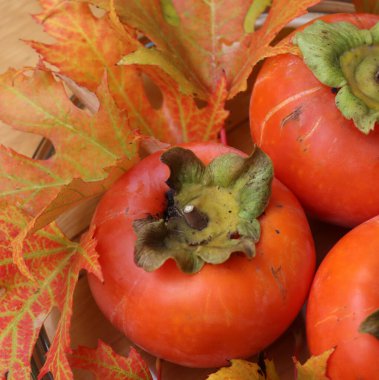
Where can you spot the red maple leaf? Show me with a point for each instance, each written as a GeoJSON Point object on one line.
{"type": "Point", "coordinates": [67, 21]}
{"type": "Point", "coordinates": [105, 364]}
{"type": "Point", "coordinates": [55, 262]}
{"type": "Point", "coordinates": [198, 43]}
{"type": "Point", "coordinates": [85, 146]}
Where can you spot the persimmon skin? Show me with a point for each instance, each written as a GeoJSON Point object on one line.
{"type": "Point", "coordinates": [345, 291]}
{"type": "Point", "coordinates": [225, 311]}
{"type": "Point", "coordinates": [322, 157]}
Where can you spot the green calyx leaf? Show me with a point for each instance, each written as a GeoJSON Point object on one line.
{"type": "Point", "coordinates": [361, 66]}
{"type": "Point", "coordinates": [322, 44]}
{"type": "Point", "coordinates": [355, 109]}
{"type": "Point", "coordinates": [342, 56]}
{"type": "Point", "coordinates": [371, 325]}
{"type": "Point", "coordinates": [212, 211]}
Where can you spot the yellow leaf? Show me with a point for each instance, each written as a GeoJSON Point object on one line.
{"type": "Point", "coordinates": [245, 370]}
{"type": "Point", "coordinates": [314, 368]}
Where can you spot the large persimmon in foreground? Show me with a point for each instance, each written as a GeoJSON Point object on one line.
{"type": "Point", "coordinates": [211, 265]}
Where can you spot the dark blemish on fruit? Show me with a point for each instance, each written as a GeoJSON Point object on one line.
{"type": "Point", "coordinates": [277, 231]}
{"type": "Point", "coordinates": [294, 115]}
{"type": "Point", "coordinates": [278, 275]}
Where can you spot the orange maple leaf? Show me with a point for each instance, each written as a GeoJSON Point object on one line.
{"type": "Point", "coordinates": [105, 364]}
{"type": "Point", "coordinates": [200, 42]}
{"type": "Point", "coordinates": [181, 119]}
{"type": "Point", "coordinates": [54, 262]}
{"type": "Point", "coordinates": [86, 45]}
{"type": "Point", "coordinates": [245, 370]}
{"type": "Point", "coordinates": [85, 146]}
{"type": "Point", "coordinates": [127, 83]}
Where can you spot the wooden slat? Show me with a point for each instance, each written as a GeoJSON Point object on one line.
{"type": "Point", "coordinates": [334, 7]}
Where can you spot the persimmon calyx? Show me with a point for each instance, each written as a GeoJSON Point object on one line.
{"type": "Point", "coordinates": [370, 325]}
{"type": "Point", "coordinates": [212, 210]}
{"type": "Point", "coordinates": [346, 58]}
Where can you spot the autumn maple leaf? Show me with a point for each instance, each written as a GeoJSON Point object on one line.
{"type": "Point", "coordinates": [246, 370]}
{"type": "Point", "coordinates": [105, 364]}
{"type": "Point", "coordinates": [200, 42]}
{"type": "Point", "coordinates": [54, 262]}
{"type": "Point", "coordinates": [97, 43]}
{"type": "Point", "coordinates": [314, 368]}
{"type": "Point", "coordinates": [85, 146]}
{"type": "Point", "coordinates": [179, 114]}
{"type": "Point", "coordinates": [183, 119]}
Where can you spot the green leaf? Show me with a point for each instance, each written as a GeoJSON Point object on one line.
{"type": "Point", "coordinates": [185, 167]}
{"type": "Point", "coordinates": [252, 184]}
{"type": "Point", "coordinates": [144, 56]}
{"type": "Point", "coordinates": [375, 31]}
{"type": "Point", "coordinates": [343, 56]}
{"type": "Point", "coordinates": [370, 325]}
{"type": "Point", "coordinates": [355, 109]}
{"type": "Point", "coordinates": [225, 169]}
{"type": "Point", "coordinates": [323, 43]}
{"type": "Point", "coordinates": [255, 10]}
